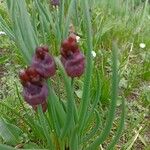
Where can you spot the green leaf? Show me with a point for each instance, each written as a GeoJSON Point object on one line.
{"type": "Point", "coordinates": [114, 95]}
{"type": "Point", "coordinates": [120, 128]}
{"type": "Point", "coordinates": [31, 146]}
{"type": "Point", "coordinates": [68, 17]}
{"type": "Point", "coordinates": [5, 147]}
{"type": "Point", "coordinates": [87, 137]}
{"type": "Point", "coordinates": [146, 75]}
{"type": "Point", "coordinates": [52, 110]}
{"type": "Point", "coordinates": [45, 127]}
{"type": "Point", "coordinates": [95, 102]}
{"type": "Point", "coordinates": [4, 26]}
{"type": "Point", "coordinates": [3, 59]}
{"type": "Point", "coordinates": [71, 106]}
{"type": "Point", "coordinates": [74, 143]}
{"type": "Point", "coordinates": [10, 133]}
{"type": "Point", "coordinates": [44, 16]}
{"type": "Point", "coordinates": [25, 36]}
{"type": "Point", "coordinates": [88, 71]}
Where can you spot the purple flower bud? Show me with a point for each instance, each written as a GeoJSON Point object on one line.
{"type": "Point", "coordinates": [74, 64]}
{"type": "Point", "coordinates": [46, 66]}
{"type": "Point", "coordinates": [35, 94]}
{"type": "Point", "coordinates": [55, 2]}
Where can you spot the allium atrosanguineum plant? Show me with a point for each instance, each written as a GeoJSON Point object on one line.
{"type": "Point", "coordinates": [67, 124]}
{"type": "Point", "coordinates": [35, 90]}
{"type": "Point", "coordinates": [71, 57]}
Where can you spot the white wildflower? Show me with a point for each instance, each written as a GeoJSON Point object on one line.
{"type": "Point", "coordinates": [93, 54]}
{"type": "Point", "coordinates": [77, 38]}
{"type": "Point", "coordinates": [2, 33]}
{"type": "Point", "coordinates": [142, 45]}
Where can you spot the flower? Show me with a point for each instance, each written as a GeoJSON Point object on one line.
{"type": "Point", "coordinates": [78, 38]}
{"type": "Point", "coordinates": [142, 45]}
{"type": "Point", "coordinates": [35, 91]}
{"type": "Point", "coordinates": [71, 57]}
{"type": "Point", "coordinates": [2, 33]}
{"type": "Point", "coordinates": [30, 75]}
{"type": "Point", "coordinates": [74, 64]}
{"type": "Point", "coordinates": [43, 62]}
{"type": "Point", "coordinates": [93, 54]}
{"type": "Point", "coordinates": [55, 2]}
{"type": "Point", "coordinates": [24, 78]}
{"type": "Point", "coordinates": [35, 94]}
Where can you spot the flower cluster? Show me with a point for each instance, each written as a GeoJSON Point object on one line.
{"type": "Point", "coordinates": [71, 57]}
{"type": "Point", "coordinates": [35, 90]}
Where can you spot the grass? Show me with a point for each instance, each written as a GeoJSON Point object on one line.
{"type": "Point", "coordinates": [127, 25]}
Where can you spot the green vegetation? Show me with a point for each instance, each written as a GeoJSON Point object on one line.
{"type": "Point", "coordinates": [115, 30]}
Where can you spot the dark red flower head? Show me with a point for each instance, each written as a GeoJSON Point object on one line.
{"type": "Point", "coordinates": [40, 51]}
{"type": "Point", "coordinates": [74, 65]}
{"type": "Point", "coordinates": [35, 94]}
{"type": "Point", "coordinates": [44, 63]}
{"type": "Point", "coordinates": [71, 57]}
{"type": "Point", "coordinates": [29, 75]}
{"type": "Point", "coordinates": [69, 46]}
{"type": "Point", "coordinates": [23, 77]}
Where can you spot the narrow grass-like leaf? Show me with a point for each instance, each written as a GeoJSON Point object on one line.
{"type": "Point", "coordinates": [10, 133]}
{"type": "Point", "coordinates": [88, 72]}
{"type": "Point", "coordinates": [42, 29]}
{"type": "Point", "coordinates": [50, 19]}
{"type": "Point", "coordinates": [61, 15]}
{"type": "Point", "coordinates": [95, 102]}
{"type": "Point", "coordinates": [23, 31]}
{"type": "Point", "coordinates": [3, 59]}
{"type": "Point", "coordinates": [111, 114]}
{"type": "Point", "coordinates": [4, 26]}
{"type": "Point", "coordinates": [17, 32]}
{"type": "Point", "coordinates": [74, 143]}
{"type": "Point", "coordinates": [70, 11]}
{"type": "Point", "coordinates": [20, 43]}
{"type": "Point", "coordinates": [14, 111]}
{"type": "Point", "coordinates": [44, 19]}
{"type": "Point", "coordinates": [70, 101]}
{"type": "Point", "coordinates": [6, 147]}
{"type": "Point", "coordinates": [119, 130]}
{"type": "Point", "coordinates": [144, 14]}
{"type": "Point", "coordinates": [87, 137]}
{"type": "Point", "coordinates": [76, 18]}
{"type": "Point", "coordinates": [27, 119]}
{"type": "Point", "coordinates": [45, 128]}
{"type": "Point", "coordinates": [28, 31]}
{"type": "Point", "coordinates": [60, 113]}
{"type": "Point", "coordinates": [52, 111]}
{"type": "Point", "coordinates": [18, 95]}
{"type": "Point", "coordinates": [58, 33]}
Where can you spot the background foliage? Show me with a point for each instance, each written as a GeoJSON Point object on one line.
{"type": "Point", "coordinates": [128, 25]}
